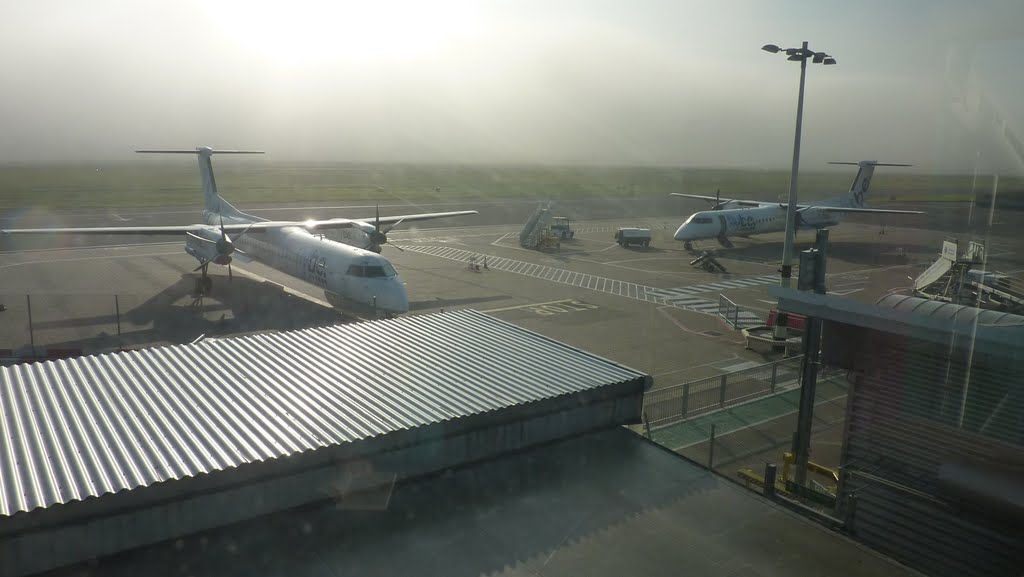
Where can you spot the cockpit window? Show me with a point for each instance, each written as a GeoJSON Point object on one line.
{"type": "Point", "coordinates": [702, 220]}
{"type": "Point", "coordinates": [377, 270]}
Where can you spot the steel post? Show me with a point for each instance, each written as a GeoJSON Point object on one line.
{"type": "Point", "coordinates": [711, 449]}
{"type": "Point", "coordinates": [812, 345]}
{"type": "Point", "coordinates": [769, 480]}
{"type": "Point", "coordinates": [31, 329]}
{"type": "Point", "coordinates": [787, 247]}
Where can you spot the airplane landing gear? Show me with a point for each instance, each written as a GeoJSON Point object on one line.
{"type": "Point", "coordinates": [204, 284]}
{"type": "Point", "coordinates": [688, 245]}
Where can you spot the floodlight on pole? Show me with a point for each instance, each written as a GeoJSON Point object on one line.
{"type": "Point", "coordinates": [796, 55]}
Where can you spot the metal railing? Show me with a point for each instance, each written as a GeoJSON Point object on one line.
{"type": "Point", "coordinates": [675, 403]}
{"type": "Point", "coordinates": [729, 311]}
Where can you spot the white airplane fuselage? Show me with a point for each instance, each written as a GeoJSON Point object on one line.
{"type": "Point", "coordinates": [712, 224]}
{"type": "Point", "coordinates": [351, 272]}
{"type": "Point", "coordinates": [346, 273]}
{"type": "Point", "coordinates": [759, 217]}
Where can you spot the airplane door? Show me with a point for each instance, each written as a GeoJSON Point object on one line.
{"type": "Point", "coordinates": [339, 284]}
{"type": "Point", "coordinates": [722, 227]}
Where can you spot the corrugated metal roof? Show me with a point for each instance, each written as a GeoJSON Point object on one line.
{"type": "Point", "coordinates": [995, 332]}
{"type": "Point", "coordinates": [85, 427]}
{"type": "Point", "coordinates": [950, 311]}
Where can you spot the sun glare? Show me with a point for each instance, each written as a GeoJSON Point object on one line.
{"type": "Point", "coordinates": [311, 31]}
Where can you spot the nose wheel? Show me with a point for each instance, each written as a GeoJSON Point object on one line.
{"type": "Point", "coordinates": [688, 245]}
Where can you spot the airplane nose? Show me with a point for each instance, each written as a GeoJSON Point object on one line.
{"type": "Point", "coordinates": [680, 233]}
{"type": "Point", "coordinates": [392, 297]}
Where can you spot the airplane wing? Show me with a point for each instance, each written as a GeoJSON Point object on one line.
{"type": "Point", "coordinates": [135, 230]}
{"type": "Point", "coordinates": [701, 197]}
{"type": "Point", "coordinates": [865, 210]}
{"type": "Point", "coordinates": [415, 217]}
{"type": "Point", "coordinates": [724, 201]}
{"type": "Point", "coordinates": [239, 227]}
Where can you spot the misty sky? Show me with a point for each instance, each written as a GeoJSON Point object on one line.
{"type": "Point", "coordinates": [675, 83]}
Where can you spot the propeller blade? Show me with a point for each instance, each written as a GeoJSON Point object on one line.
{"type": "Point", "coordinates": [201, 265]}
{"type": "Point", "coordinates": [377, 223]}
{"type": "Point", "coordinates": [392, 227]}
{"type": "Point", "coordinates": [243, 234]}
{"type": "Point", "coordinates": [230, 278]}
{"type": "Point", "coordinates": [400, 249]}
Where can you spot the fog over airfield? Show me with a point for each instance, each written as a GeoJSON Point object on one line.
{"type": "Point", "coordinates": [672, 82]}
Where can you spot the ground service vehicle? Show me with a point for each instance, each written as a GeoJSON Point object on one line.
{"type": "Point", "coordinates": [560, 227]}
{"type": "Point", "coordinates": [628, 236]}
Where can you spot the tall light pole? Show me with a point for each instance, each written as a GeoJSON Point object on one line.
{"type": "Point", "coordinates": [797, 55]}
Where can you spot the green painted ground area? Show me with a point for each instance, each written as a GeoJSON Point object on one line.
{"type": "Point", "coordinates": [698, 429]}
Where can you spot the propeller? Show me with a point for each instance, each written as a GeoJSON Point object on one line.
{"type": "Point", "coordinates": [223, 245]}
{"type": "Point", "coordinates": [378, 238]}
{"type": "Point", "coordinates": [233, 248]}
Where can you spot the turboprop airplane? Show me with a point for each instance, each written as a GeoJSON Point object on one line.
{"type": "Point", "coordinates": [743, 218]}
{"type": "Point", "coordinates": [348, 274]}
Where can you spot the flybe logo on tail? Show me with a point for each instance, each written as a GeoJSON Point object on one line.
{"type": "Point", "coordinates": [861, 183]}
{"type": "Point", "coordinates": [863, 179]}
{"type": "Point", "coordinates": [858, 192]}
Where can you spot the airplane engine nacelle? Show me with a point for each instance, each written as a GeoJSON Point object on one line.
{"type": "Point", "coordinates": [209, 245]}
{"type": "Point", "coordinates": [353, 236]}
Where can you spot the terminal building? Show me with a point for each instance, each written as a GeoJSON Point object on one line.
{"type": "Point", "coordinates": [449, 444]}
{"type": "Point", "coordinates": [932, 464]}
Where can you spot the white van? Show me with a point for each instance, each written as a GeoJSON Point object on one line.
{"type": "Point", "coordinates": [628, 236]}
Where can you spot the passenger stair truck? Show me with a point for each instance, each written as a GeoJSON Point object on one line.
{"type": "Point", "coordinates": [536, 233]}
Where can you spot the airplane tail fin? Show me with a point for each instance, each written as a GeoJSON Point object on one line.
{"type": "Point", "coordinates": [862, 181]}
{"type": "Point", "coordinates": [212, 201]}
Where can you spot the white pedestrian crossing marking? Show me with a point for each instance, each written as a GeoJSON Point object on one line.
{"type": "Point", "coordinates": [682, 297]}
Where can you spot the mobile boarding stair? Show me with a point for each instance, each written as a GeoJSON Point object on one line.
{"type": "Point", "coordinates": [708, 262]}
{"type": "Point", "coordinates": [535, 226]}
{"type": "Point", "coordinates": [954, 279]}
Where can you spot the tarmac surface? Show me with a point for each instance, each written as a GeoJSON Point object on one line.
{"type": "Point", "coordinates": [643, 307]}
